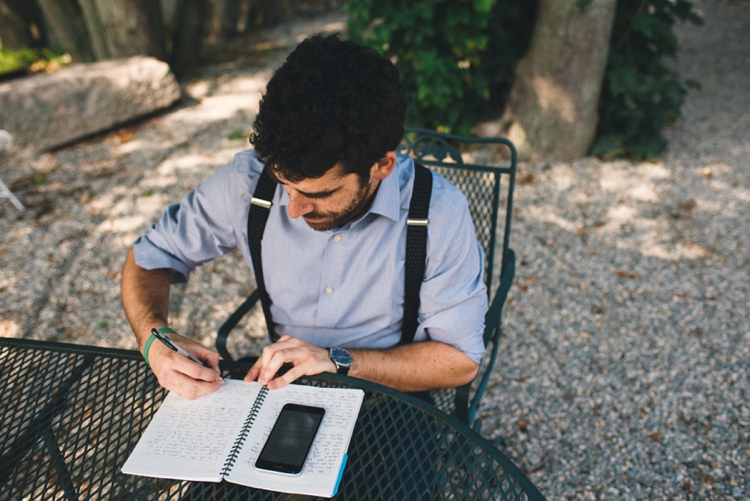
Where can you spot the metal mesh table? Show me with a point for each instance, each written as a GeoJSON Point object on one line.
{"type": "Point", "coordinates": [70, 416]}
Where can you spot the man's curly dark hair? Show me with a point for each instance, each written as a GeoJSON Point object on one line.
{"type": "Point", "coordinates": [331, 101]}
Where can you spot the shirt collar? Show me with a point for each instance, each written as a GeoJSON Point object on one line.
{"type": "Point", "coordinates": [388, 198]}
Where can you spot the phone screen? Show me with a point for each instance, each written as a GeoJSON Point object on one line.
{"type": "Point", "coordinates": [290, 440]}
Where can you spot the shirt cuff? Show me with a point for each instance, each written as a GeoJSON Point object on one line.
{"type": "Point", "coordinates": [450, 326]}
{"type": "Point", "coordinates": [150, 257]}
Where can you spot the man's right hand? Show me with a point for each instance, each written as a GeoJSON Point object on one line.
{"type": "Point", "coordinates": [179, 374]}
{"type": "Point", "coordinates": [145, 297]}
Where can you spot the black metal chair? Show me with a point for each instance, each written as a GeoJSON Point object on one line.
{"type": "Point", "coordinates": [491, 205]}
{"type": "Point", "coordinates": [6, 141]}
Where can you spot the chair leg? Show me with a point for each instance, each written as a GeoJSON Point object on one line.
{"type": "Point", "coordinates": [462, 403]}
{"type": "Point", "coordinates": [6, 193]}
{"type": "Point", "coordinates": [499, 442]}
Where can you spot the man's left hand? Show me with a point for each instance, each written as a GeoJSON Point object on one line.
{"type": "Point", "coordinates": [307, 360]}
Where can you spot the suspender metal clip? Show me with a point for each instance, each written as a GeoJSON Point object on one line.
{"type": "Point", "coordinates": [261, 203]}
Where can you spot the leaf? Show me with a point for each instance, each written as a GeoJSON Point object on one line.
{"type": "Point", "coordinates": [523, 425]}
{"type": "Point", "coordinates": [525, 179]}
{"type": "Point", "coordinates": [644, 23]}
{"type": "Point", "coordinates": [238, 134]}
{"type": "Point", "coordinates": [625, 274]}
{"type": "Point", "coordinates": [656, 436]}
{"type": "Point", "coordinates": [649, 148]}
{"type": "Point", "coordinates": [608, 146]}
{"type": "Point", "coordinates": [482, 6]}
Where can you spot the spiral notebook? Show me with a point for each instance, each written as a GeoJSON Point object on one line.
{"type": "Point", "coordinates": [219, 437]}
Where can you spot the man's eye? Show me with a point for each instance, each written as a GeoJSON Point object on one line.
{"type": "Point", "coordinates": [319, 196]}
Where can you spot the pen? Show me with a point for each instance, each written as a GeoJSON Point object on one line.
{"type": "Point", "coordinates": [182, 351]}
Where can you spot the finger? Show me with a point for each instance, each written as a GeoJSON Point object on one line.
{"type": "Point", "coordinates": [187, 387]}
{"type": "Point", "coordinates": [271, 360]}
{"type": "Point", "coordinates": [278, 358]}
{"type": "Point", "coordinates": [208, 357]}
{"type": "Point", "coordinates": [174, 379]}
{"type": "Point", "coordinates": [193, 370]}
{"type": "Point", "coordinates": [179, 374]}
{"type": "Point", "coordinates": [252, 374]}
{"type": "Point", "coordinates": [211, 359]}
{"type": "Point", "coordinates": [291, 375]}
{"type": "Point", "coordinates": [205, 355]}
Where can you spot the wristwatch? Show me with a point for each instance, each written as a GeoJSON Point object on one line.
{"type": "Point", "coordinates": [341, 358]}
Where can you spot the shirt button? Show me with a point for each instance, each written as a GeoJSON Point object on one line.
{"type": "Point", "coordinates": [329, 290]}
{"type": "Point", "coordinates": [338, 238]}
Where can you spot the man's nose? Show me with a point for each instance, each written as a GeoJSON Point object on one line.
{"type": "Point", "coordinates": [299, 206]}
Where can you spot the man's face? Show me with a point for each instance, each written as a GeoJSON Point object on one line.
{"type": "Point", "coordinates": [330, 201]}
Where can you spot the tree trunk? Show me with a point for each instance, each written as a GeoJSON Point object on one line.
{"type": "Point", "coordinates": [553, 104]}
{"type": "Point", "coordinates": [187, 35]}
{"type": "Point", "coordinates": [125, 28]}
{"type": "Point", "coordinates": [227, 15]}
{"type": "Point", "coordinates": [95, 29]}
{"type": "Point", "coordinates": [21, 25]}
{"type": "Point", "coordinates": [261, 13]}
{"type": "Point", "coordinates": [67, 28]}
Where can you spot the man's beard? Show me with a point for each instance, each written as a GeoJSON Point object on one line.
{"type": "Point", "coordinates": [338, 219]}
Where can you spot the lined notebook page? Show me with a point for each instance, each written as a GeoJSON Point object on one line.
{"type": "Point", "coordinates": [323, 464]}
{"type": "Point", "coordinates": [191, 439]}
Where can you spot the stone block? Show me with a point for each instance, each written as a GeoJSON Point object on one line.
{"type": "Point", "coordinates": [49, 110]}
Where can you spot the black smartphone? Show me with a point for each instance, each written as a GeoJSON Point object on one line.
{"type": "Point", "coordinates": [291, 438]}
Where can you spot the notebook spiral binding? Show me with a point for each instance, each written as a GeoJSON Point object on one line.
{"type": "Point", "coordinates": [232, 457]}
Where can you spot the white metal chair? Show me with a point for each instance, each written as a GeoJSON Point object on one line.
{"type": "Point", "coordinates": [6, 141]}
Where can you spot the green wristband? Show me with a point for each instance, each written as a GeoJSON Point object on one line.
{"type": "Point", "coordinates": [145, 349]}
{"type": "Point", "coordinates": [163, 330]}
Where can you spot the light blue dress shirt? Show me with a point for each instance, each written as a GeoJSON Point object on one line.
{"type": "Point", "coordinates": [343, 287]}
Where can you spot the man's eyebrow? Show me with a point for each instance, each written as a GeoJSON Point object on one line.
{"type": "Point", "coordinates": [319, 194]}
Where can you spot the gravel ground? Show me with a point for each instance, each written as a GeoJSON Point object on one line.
{"type": "Point", "coordinates": [623, 373]}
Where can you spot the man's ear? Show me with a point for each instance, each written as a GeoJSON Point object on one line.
{"type": "Point", "coordinates": [383, 167]}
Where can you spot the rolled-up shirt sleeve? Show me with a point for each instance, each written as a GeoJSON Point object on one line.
{"type": "Point", "coordinates": [203, 226]}
{"type": "Point", "coordinates": [453, 298]}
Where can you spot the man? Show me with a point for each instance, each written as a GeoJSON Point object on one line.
{"type": "Point", "coordinates": [334, 244]}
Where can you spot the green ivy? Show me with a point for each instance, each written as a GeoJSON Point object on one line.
{"type": "Point", "coordinates": [641, 95]}
{"type": "Point", "coordinates": [16, 60]}
{"type": "Point", "coordinates": [238, 134]}
{"type": "Point", "coordinates": [12, 61]}
{"type": "Point", "coordinates": [441, 49]}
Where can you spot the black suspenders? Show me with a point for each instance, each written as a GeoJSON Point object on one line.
{"type": "Point", "coordinates": [416, 250]}
{"type": "Point", "coordinates": [260, 207]}
{"type": "Point", "coordinates": [416, 246]}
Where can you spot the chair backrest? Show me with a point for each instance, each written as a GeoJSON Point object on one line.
{"type": "Point", "coordinates": [6, 140]}
{"type": "Point", "coordinates": [482, 185]}
{"type": "Point", "coordinates": [489, 192]}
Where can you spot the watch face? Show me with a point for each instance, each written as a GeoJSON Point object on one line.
{"type": "Point", "coordinates": [341, 356]}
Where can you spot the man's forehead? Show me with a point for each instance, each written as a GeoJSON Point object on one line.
{"type": "Point", "coordinates": [333, 178]}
